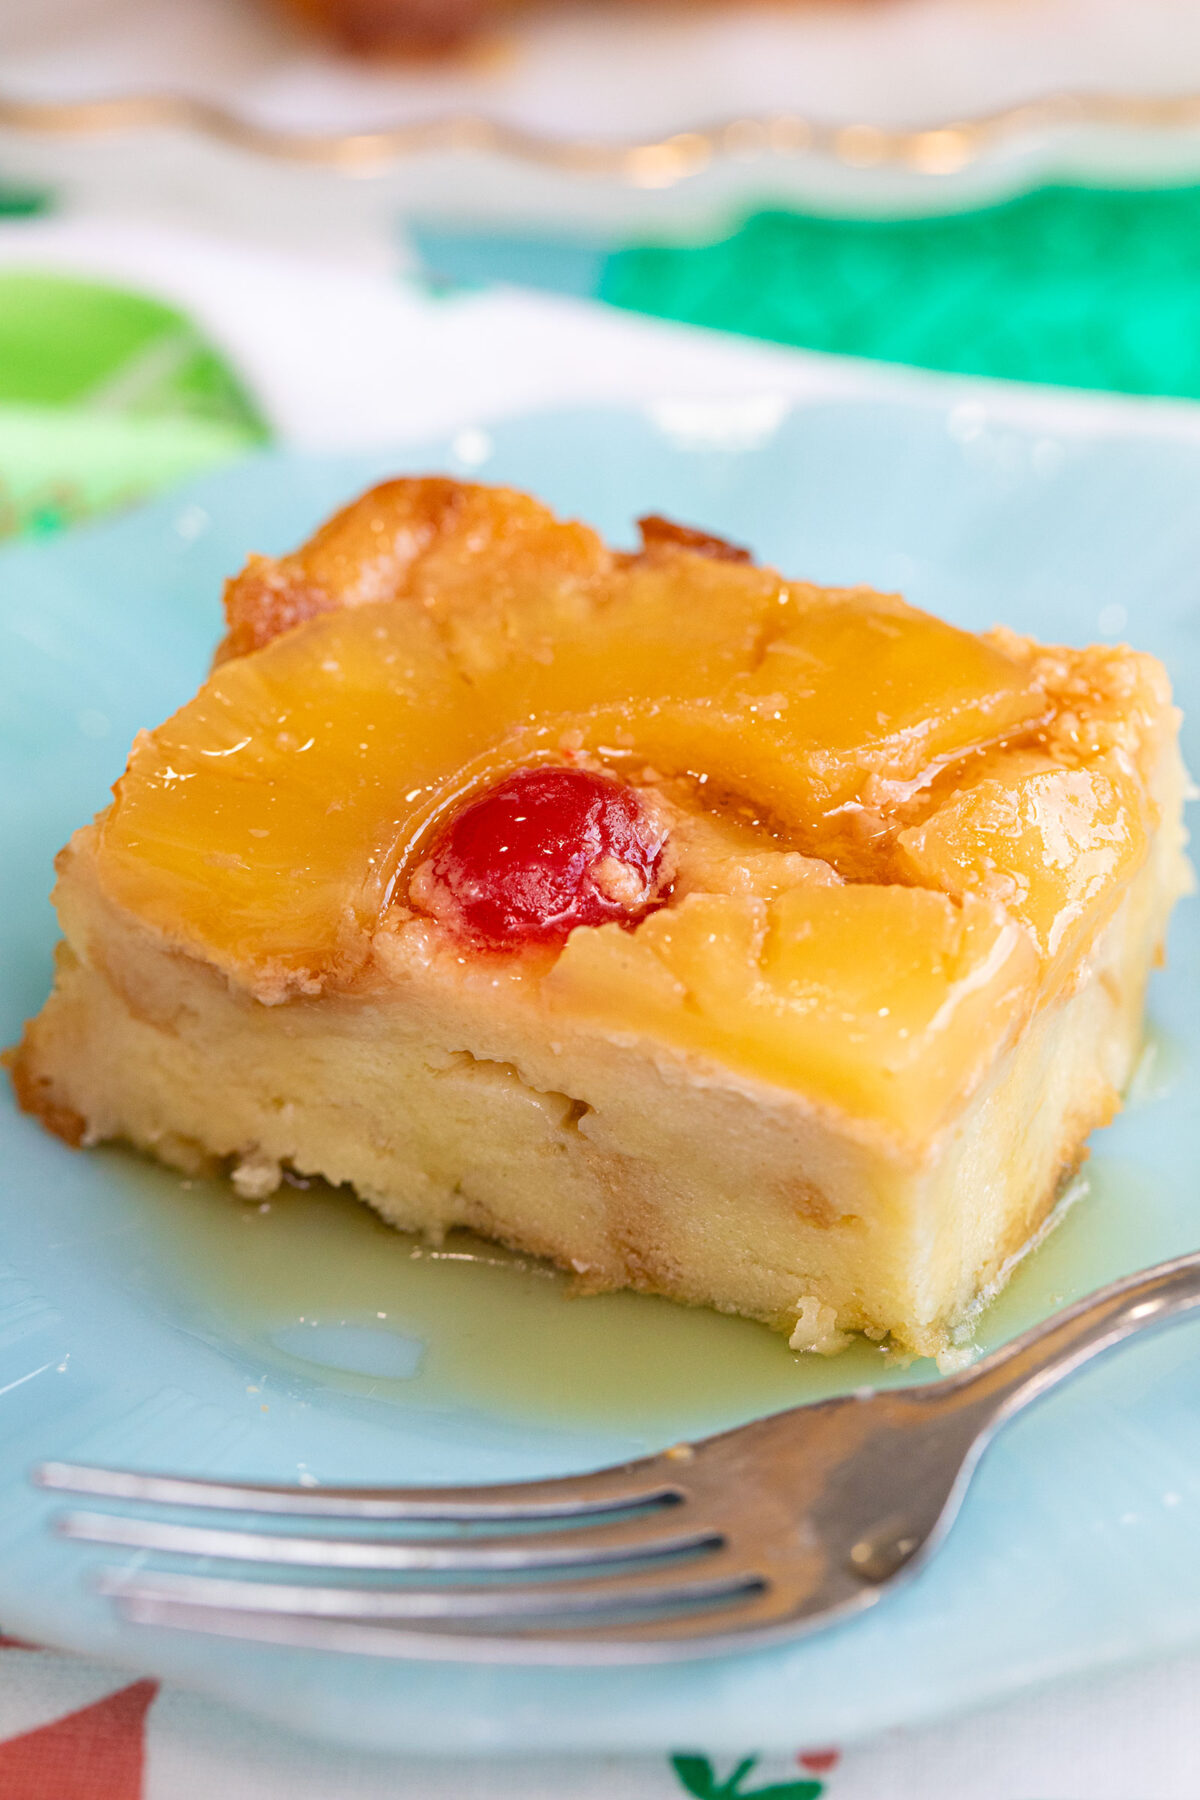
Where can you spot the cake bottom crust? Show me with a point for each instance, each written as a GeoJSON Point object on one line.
{"type": "Point", "coordinates": [626, 1164]}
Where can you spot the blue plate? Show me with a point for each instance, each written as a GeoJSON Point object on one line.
{"type": "Point", "coordinates": [152, 1322]}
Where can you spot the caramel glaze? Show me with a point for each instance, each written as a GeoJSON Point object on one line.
{"type": "Point", "coordinates": [841, 725]}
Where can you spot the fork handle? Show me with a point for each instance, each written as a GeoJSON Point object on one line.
{"type": "Point", "coordinates": [1038, 1360]}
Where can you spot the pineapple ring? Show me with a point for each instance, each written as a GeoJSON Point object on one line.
{"type": "Point", "coordinates": [435, 637]}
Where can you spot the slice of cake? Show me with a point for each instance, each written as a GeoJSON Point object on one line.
{"type": "Point", "coordinates": [767, 946]}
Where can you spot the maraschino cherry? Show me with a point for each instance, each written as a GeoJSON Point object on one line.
{"type": "Point", "coordinates": [544, 850]}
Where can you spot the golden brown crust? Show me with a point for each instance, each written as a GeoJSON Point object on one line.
{"type": "Point", "coordinates": [364, 552]}
{"type": "Point", "coordinates": [35, 1093]}
{"type": "Point", "coordinates": [659, 533]}
{"type": "Point", "coordinates": [415, 537]}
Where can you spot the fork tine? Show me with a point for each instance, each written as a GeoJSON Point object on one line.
{"type": "Point", "coordinates": [632, 1485]}
{"type": "Point", "coordinates": [652, 1591]}
{"type": "Point", "coordinates": [737, 1624]}
{"type": "Point", "coordinates": [630, 1542]}
{"type": "Point", "coordinates": [683, 1620]}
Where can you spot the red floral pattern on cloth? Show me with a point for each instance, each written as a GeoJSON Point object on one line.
{"type": "Point", "coordinates": [98, 1751]}
{"type": "Point", "coordinates": [95, 1753]}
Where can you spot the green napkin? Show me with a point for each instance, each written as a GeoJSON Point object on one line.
{"type": "Point", "coordinates": [1079, 286]}
{"type": "Point", "coordinates": [105, 396]}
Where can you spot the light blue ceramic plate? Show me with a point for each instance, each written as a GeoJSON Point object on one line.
{"type": "Point", "coordinates": [145, 1321]}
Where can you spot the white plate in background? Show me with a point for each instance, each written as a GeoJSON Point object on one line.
{"type": "Point", "coordinates": [616, 115]}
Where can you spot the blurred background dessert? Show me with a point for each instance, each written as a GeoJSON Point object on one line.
{"type": "Point", "coordinates": [397, 27]}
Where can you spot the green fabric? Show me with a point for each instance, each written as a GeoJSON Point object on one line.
{"type": "Point", "coordinates": [1083, 287]}
{"type": "Point", "coordinates": [22, 203]}
{"type": "Point", "coordinates": [105, 396]}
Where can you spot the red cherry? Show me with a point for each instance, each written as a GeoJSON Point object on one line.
{"type": "Point", "coordinates": [543, 851]}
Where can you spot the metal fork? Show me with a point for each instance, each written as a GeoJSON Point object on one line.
{"type": "Point", "coordinates": [752, 1536]}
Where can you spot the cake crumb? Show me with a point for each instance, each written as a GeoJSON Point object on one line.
{"type": "Point", "coordinates": [816, 1328]}
{"type": "Point", "coordinates": [256, 1176]}
{"type": "Point", "coordinates": [956, 1357]}
{"type": "Point", "coordinates": [619, 882]}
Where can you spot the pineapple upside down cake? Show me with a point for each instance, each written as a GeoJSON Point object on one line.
{"type": "Point", "coordinates": [767, 946]}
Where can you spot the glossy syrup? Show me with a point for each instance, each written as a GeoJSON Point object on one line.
{"type": "Point", "coordinates": [311, 1288]}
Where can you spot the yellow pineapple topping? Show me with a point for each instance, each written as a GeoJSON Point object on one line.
{"type": "Point", "coordinates": [882, 822]}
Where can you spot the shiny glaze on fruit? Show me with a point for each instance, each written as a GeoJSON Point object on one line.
{"type": "Point", "coordinates": [925, 817]}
